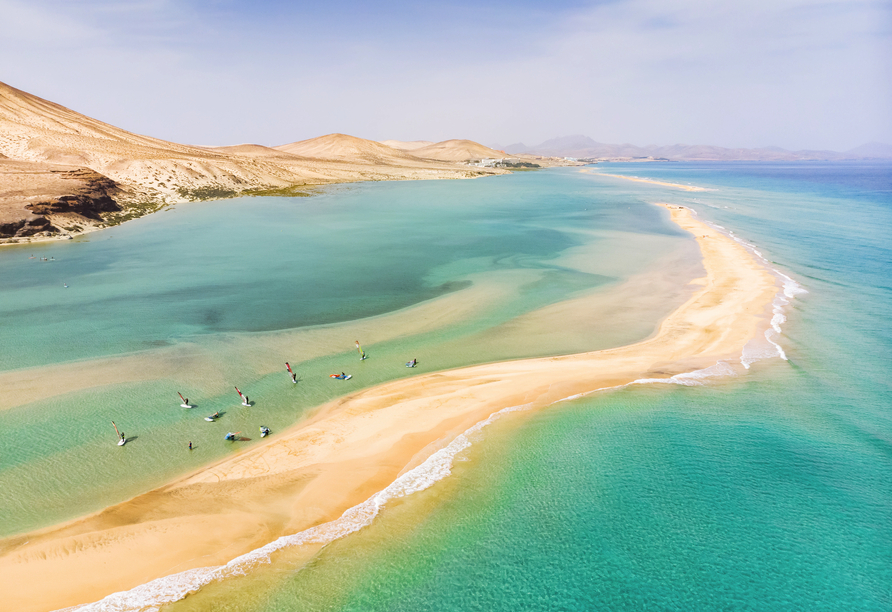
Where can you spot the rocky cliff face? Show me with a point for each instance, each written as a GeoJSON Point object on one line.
{"type": "Point", "coordinates": [39, 199]}
{"type": "Point", "coordinates": [91, 196]}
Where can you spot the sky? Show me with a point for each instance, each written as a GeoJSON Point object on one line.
{"type": "Point", "coordinates": [799, 74]}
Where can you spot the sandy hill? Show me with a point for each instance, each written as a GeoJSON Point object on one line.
{"type": "Point", "coordinates": [251, 150]}
{"type": "Point", "coordinates": [150, 170]}
{"type": "Point", "coordinates": [457, 150]}
{"type": "Point", "coordinates": [147, 173]}
{"type": "Point", "coordinates": [407, 145]}
{"type": "Point", "coordinates": [342, 146]}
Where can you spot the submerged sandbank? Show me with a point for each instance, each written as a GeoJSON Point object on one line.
{"type": "Point", "coordinates": [359, 444]}
{"type": "Point", "coordinates": [650, 181]}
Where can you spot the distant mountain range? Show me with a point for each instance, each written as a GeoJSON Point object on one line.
{"type": "Point", "coordinates": [583, 147]}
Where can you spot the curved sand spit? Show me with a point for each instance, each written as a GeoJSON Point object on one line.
{"type": "Point", "coordinates": [638, 179]}
{"type": "Point", "coordinates": [359, 444]}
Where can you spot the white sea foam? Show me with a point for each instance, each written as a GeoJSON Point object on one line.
{"type": "Point", "coordinates": [587, 393]}
{"type": "Point", "coordinates": [695, 378]}
{"type": "Point", "coordinates": [152, 595]}
{"type": "Point", "coordinates": [756, 349]}
{"type": "Point", "coordinates": [791, 287]}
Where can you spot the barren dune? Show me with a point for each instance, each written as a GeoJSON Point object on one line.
{"type": "Point", "coordinates": [407, 145]}
{"type": "Point", "coordinates": [342, 146]}
{"type": "Point", "coordinates": [457, 150]}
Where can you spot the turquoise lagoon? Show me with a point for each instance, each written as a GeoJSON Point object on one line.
{"type": "Point", "coordinates": [766, 491]}
{"type": "Point", "coordinates": [204, 297]}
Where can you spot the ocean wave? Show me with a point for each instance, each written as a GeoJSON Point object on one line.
{"type": "Point", "coordinates": [691, 379]}
{"type": "Point", "coordinates": [756, 350]}
{"type": "Point", "coordinates": [151, 596]}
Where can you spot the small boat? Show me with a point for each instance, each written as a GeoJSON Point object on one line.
{"type": "Point", "coordinates": [212, 418]}
{"type": "Point", "coordinates": [361, 352]}
{"type": "Point", "coordinates": [245, 401]}
{"type": "Point", "coordinates": [232, 437]}
{"type": "Point", "coordinates": [290, 371]}
{"type": "Point", "coordinates": [264, 431]}
{"type": "Point", "coordinates": [412, 364]}
{"type": "Point", "coordinates": [341, 376]}
{"type": "Point", "coordinates": [185, 403]}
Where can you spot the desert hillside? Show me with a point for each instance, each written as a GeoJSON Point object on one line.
{"type": "Point", "coordinates": [457, 150]}
{"type": "Point", "coordinates": [145, 173]}
{"type": "Point", "coordinates": [407, 145]}
{"type": "Point", "coordinates": [342, 146]}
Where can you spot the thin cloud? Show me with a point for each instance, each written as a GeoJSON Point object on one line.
{"type": "Point", "coordinates": [796, 73]}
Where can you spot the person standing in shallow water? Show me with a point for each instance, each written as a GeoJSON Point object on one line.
{"type": "Point", "coordinates": [190, 444]}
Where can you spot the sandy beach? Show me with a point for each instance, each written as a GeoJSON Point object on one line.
{"type": "Point", "coordinates": [650, 181]}
{"type": "Point", "coordinates": [360, 443]}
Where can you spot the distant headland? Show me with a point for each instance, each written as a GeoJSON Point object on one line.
{"type": "Point", "coordinates": [585, 149]}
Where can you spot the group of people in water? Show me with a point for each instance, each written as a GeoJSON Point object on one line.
{"type": "Point", "coordinates": [264, 431]}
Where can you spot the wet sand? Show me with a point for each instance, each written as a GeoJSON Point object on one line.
{"type": "Point", "coordinates": [359, 444]}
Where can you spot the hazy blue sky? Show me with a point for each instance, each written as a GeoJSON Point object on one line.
{"type": "Point", "coordinates": [792, 73]}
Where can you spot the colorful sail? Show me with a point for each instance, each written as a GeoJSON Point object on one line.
{"type": "Point", "coordinates": [287, 365]}
{"type": "Point", "coordinates": [181, 397]}
{"type": "Point", "coordinates": [240, 394]}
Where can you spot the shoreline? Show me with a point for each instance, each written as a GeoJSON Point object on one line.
{"type": "Point", "coordinates": [358, 445]}
{"type": "Point", "coordinates": [637, 179]}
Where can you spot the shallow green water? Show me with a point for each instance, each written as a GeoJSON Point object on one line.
{"type": "Point", "coordinates": [219, 294]}
{"type": "Point", "coordinates": [769, 491]}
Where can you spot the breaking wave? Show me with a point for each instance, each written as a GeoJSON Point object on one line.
{"type": "Point", "coordinates": [695, 378]}
{"type": "Point", "coordinates": [769, 346]}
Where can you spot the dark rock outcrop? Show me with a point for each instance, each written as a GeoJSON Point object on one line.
{"type": "Point", "coordinates": [87, 201]}
{"type": "Point", "coordinates": [26, 227]}
{"type": "Point", "coordinates": [33, 196]}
